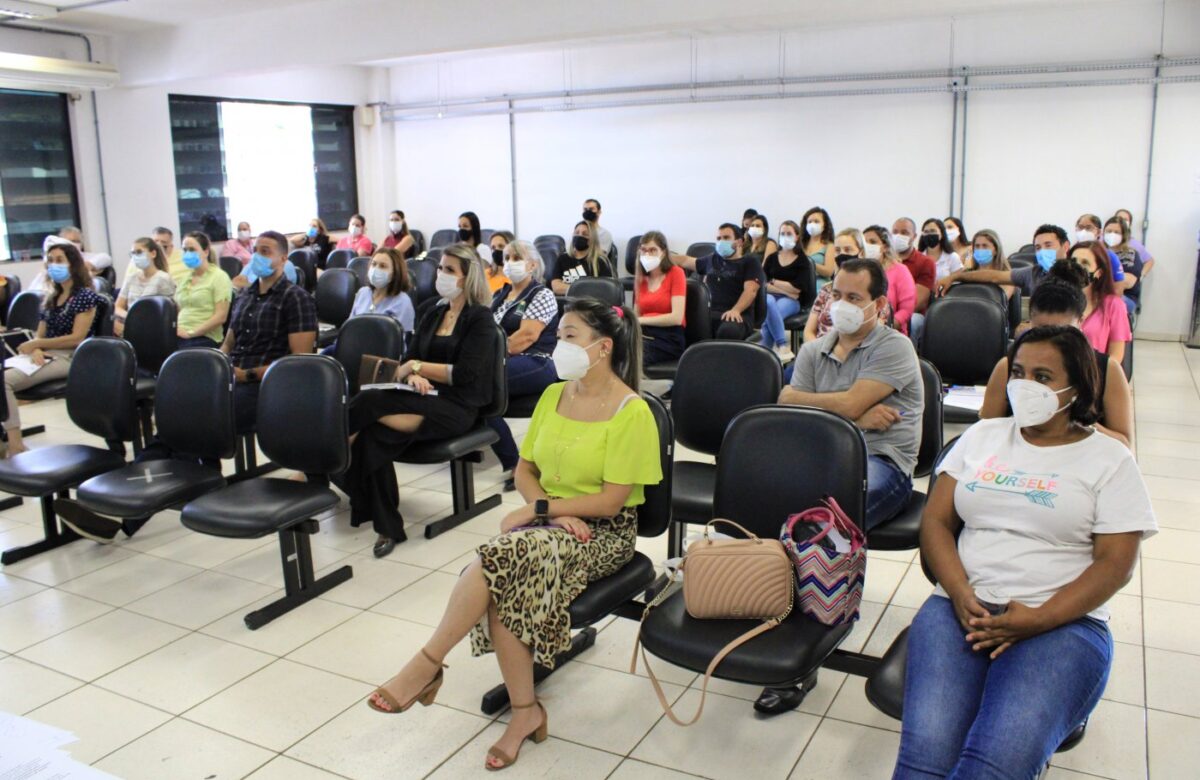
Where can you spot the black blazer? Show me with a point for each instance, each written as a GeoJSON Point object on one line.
{"type": "Point", "coordinates": [472, 349]}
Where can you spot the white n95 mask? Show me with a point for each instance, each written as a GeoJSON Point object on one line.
{"type": "Point", "coordinates": [1033, 403]}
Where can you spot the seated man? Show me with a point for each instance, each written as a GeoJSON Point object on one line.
{"type": "Point", "coordinates": [165, 239]}
{"type": "Point", "coordinates": [96, 261]}
{"type": "Point", "coordinates": [1052, 245]}
{"type": "Point", "coordinates": [922, 268]}
{"type": "Point", "coordinates": [867, 372]}
{"type": "Point", "coordinates": [271, 319]}
{"type": "Point", "coordinates": [1058, 303]}
{"type": "Point", "coordinates": [733, 281]}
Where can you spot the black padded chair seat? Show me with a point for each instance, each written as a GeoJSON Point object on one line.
{"type": "Point", "coordinates": [48, 470]}
{"type": "Point", "coordinates": [129, 492]}
{"type": "Point", "coordinates": [522, 405]}
{"type": "Point", "coordinates": [902, 532]}
{"type": "Point", "coordinates": [956, 414]}
{"type": "Point", "coordinates": [56, 388]}
{"type": "Point", "coordinates": [664, 370]}
{"type": "Point", "coordinates": [782, 656]}
{"type": "Point", "coordinates": [605, 595]}
{"type": "Point", "coordinates": [445, 450]}
{"type": "Point", "coordinates": [144, 386]}
{"type": "Point", "coordinates": [692, 491]}
{"type": "Point", "coordinates": [257, 507]}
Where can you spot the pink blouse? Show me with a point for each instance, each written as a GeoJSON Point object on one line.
{"type": "Point", "coordinates": [235, 248]}
{"type": "Point", "coordinates": [362, 245]}
{"type": "Point", "coordinates": [902, 295]}
{"type": "Point", "coordinates": [1107, 323]}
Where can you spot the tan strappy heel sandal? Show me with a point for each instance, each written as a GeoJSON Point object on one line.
{"type": "Point", "coordinates": [538, 736]}
{"type": "Point", "coordinates": [426, 695]}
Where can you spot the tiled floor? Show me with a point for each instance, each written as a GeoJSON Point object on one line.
{"type": "Point", "coordinates": [139, 648]}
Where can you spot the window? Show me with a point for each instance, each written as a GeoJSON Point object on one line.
{"type": "Point", "coordinates": [273, 165]}
{"type": "Point", "coordinates": [37, 172]}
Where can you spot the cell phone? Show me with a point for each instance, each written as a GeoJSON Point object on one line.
{"type": "Point", "coordinates": [994, 609]}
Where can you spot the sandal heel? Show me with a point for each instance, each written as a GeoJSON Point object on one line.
{"type": "Point", "coordinates": [428, 698]}
{"type": "Point", "coordinates": [542, 733]}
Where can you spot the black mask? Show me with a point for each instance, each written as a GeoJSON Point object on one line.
{"type": "Point", "coordinates": [841, 260]}
{"type": "Point", "coordinates": [497, 256]}
{"type": "Point", "coordinates": [928, 241]}
{"type": "Point", "coordinates": [590, 215]}
{"type": "Point", "coordinates": [580, 243]}
{"type": "Point", "coordinates": [464, 234]}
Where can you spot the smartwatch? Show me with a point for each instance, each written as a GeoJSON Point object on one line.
{"type": "Point", "coordinates": [541, 511]}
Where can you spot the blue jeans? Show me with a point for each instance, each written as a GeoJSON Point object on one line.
{"type": "Point", "coordinates": [888, 490]}
{"type": "Point", "coordinates": [916, 328]}
{"type": "Point", "coordinates": [779, 308]}
{"type": "Point", "coordinates": [527, 375]}
{"type": "Point", "coordinates": [966, 716]}
{"type": "Point", "coordinates": [198, 342]}
{"type": "Point", "coordinates": [1130, 305]}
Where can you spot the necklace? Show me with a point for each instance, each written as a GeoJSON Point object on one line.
{"type": "Point", "coordinates": [560, 448]}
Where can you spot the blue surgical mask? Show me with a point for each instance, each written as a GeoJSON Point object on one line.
{"type": "Point", "coordinates": [312, 232]}
{"type": "Point", "coordinates": [289, 271]}
{"type": "Point", "coordinates": [261, 266]}
{"type": "Point", "coordinates": [191, 259]}
{"type": "Point", "coordinates": [724, 247]}
{"type": "Point", "coordinates": [1046, 258]}
{"type": "Point", "coordinates": [59, 272]}
{"type": "Point", "coordinates": [141, 260]}
{"type": "Point", "coordinates": [379, 277]}
{"type": "Point", "coordinates": [983, 256]}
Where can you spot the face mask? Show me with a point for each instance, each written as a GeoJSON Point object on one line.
{"type": "Point", "coordinates": [356, 230]}
{"type": "Point", "coordinates": [1046, 258]}
{"type": "Point", "coordinates": [580, 243]}
{"type": "Point", "coordinates": [901, 243]}
{"type": "Point", "coordinates": [464, 234]}
{"type": "Point", "coordinates": [952, 235]}
{"type": "Point", "coordinates": [191, 259]}
{"type": "Point", "coordinates": [649, 262]}
{"type": "Point", "coordinates": [1112, 239]}
{"type": "Point", "coordinates": [497, 256]}
{"type": "Point", "coordinates": [847, 318]}
{"type": "Point", "coordinates": [1033, 403]}
{"type": "Point", "coordinates": [379, 277]}
{"type": "Point", "coordinates": [873, 251]}
{"type": "Point", "coordinates": [395, 226]}
{"type": "Point", "coordinates": [786, 241]}
{"type": "Point", "coordinates": [516, 271]}
{"type": "Point", "coordinates": [841, 260]}
{"type": "Point", "coordinates": [590, 216]}
{"type": "Point", "coordinates": [982, 256]}
{"type": "Point", "coordinates": [813, 228]}
{"type": "Point", "coordinates": [724, 247]}
{"type": "Point", "coordinates": [261, 266]}
{"type": "Point", "coordinates": [572, 361]}
{"type": "Point", "coordinates": [59, 272]}
{"type": "Point", "coordinates": [1085, 235]}
{"type": "Point", "coordinates": [447, 286]}
{"type": "Point", "coordinates": [140, 260]}
{"type": "Point", "coordinates": [928, 241]}
{"type": "Point", "coordinates": [289, 271]}
{"type": "Point", "coordinates": [312, 232]}
{"type": "Point", "coordinates": [243, 235]}
{"type": "Point", "coordinates": [755, 233]}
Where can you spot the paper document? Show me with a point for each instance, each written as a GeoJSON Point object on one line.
{"type": "Point", "coordinates": [28, 751]}
{"type": "Point", "coordinates": [394, 386]}
{"type": "Point", "coordinates": [965, 397]}
{"type": "Point", "coordinates": [23, 363]}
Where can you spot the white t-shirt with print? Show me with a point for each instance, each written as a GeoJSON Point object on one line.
{"type": "Point", "coordinates": [1029, 513]}
{"type": "Point", "coordinates": [948, 263]}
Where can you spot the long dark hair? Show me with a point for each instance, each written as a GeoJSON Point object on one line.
{"type": "Point", "coordinates": [157, 256]}
{"type": "Point", "coordinates": [205, 243]}
{"type": "Point", "coordinates": [81, 279]}
{"type": "Point", "coordinates": [403, 222]}
{"type": "Point", "coordinates": [1101, 284]}
{"type": "Point", "coordinates": [476, 233]}
{"type": "Point", "coordinates": [620, 324]}
{"type": "Point", "coordinates": [1080, 361]}
{"type": "Point", "coordinates": [658, 239]}
{"type": "Point", "coordinates": [399, 282]}
{"type": "Point", "coordinates": [825, 235]}
{"type": "Point", "coordinates": [944, 243]}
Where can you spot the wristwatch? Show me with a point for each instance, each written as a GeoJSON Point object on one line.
{"type": "Point", "coordinates": [541, 511]}
{"type": "Point", "coordinates": [416, 367]}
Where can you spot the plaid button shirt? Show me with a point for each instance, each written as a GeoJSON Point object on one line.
{"type": "Point", "coordinates": [261, 323]}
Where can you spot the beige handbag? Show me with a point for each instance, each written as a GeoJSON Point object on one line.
{"type": "Point", "coordinates": [377, 370]}
{"type": "Point", "coordinates": [727, 579]}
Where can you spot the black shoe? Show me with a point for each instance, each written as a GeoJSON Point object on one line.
{"type": "Point", "coordinates": [86, 523]}
{"type": "Point", "coordinates": [510, 485]}
{"type": "Point", "coordinates": [774, 701]}
{"type": "Point", "coordinates": [383, 547]}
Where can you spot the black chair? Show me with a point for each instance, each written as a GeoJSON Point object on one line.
{"type": "Point", "coordinates": [418, 241]}
{"type": "Point", "coordinates": [796, 323]}
{"type": "Point", "coordinates": [335, 298]}
{"type": "Point", "coordinates": [1025, 257]}
{"type": "Point", "coordinates": [25, 311]}
{"type": "Point", "coordinates": [308, 388]}
{"type": "Point", "coordinates": [151, 326]}
{"type": "Point", "coordinates": [485, 235]}
{"type": "Point", "coordinates": [601, 288]}
{"type": "Point", "coordinates": [698, 327]}
{"type": "Point", "coordinates": [339, 258]}
{"type": "Point", "coordinates": [193, 409]}
{"type": "Point", "coordinates": [423, 276]}
{"type": "Point", "coordinates": [109, 275]}
{"type": "Point", "coordinates": [232, 266]}
{"type": "Point", "coordinates": [1015, 315]}
{"type": "Point", "coordinates": [617, 593]}
{"type": "Point", "coordinates": [987, 292]}
{"type": "Point", "coordinates": [102, 285]}
{"type": "Point", "coordinates": [701, 249]}
{"type": "Point", "coordinates": [463, 452]}
{"type": "Point", "coordinates": [550, 246]}
{"type": "Point", "coordinates": [101, 402]}
{"type": "Point", "coordinates": [703, 403]}
{"type": "Point", "coordinates": [443, 238]}
{"type": "Point", "coordinates": [305, 261]}
{"type": "Point", "coordinates": [764, 458]}
{"type": "Point", "coordinates": [631, 253]}
{"type": "Point", "coordinates": [101, 326]}
{"type": "Point", "coordinates": [13, 289]}
{"type": "Point", "coordinates": [964, 339]}
{"type": "Point", "coordinates": [360, 266]}
{"type": "Point", "coordinates": [367, 334]}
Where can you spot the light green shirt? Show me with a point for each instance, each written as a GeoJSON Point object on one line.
{"type": "Point", "coordinates": [576, 458]}
{"type": "Point", "coordinates": [198, 298]}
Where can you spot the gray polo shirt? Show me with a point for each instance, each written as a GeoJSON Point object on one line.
{"type": "Point", "coordinates": [887, 356]}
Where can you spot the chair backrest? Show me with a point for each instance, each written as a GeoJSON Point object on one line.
{"type": "Point", "coordinates": [499, 404]}
{"type": "Point", "coordinates": [1014, 310]}
{"type": "Point", "coordinates": [1023, 258]}
{"type": "Point", "coordinates": [102, 285]}
{"type": "Point", "coordinates": [360, 266]}
{"type": "Point", "coordinates": [305, 261]}
{"type": "Point", "coordinates": [338, 258]}
{"type": "Point", "coordinates": [443, 238]}
{"type": "Point", "coordinates": [929, 491]}
{"type": "Point", "coordinates": [151, 327]}
{"type": "Point", "coordinates": [233, 266]}
{"type": "Point", "coordinates": [701, 249]}
{"type": "Point", "coordinates": [631, 252]}
{"type": "Point", "coordinates": [988, 292]}
{"type": "Point", "coordinates": [654, 516]}
{"type": "Point", "coordinates": [335, 295]}
{"type": "Point", "coordinates": [434, 256]}
{"type": "Point", "coordinates": [25, 310]}
{"type": "Point", "coordinates": [100, 389]}
{"type": "Point", "coordinates": [964, 338]}
{"type": "Point", "coordinates": [193, 404]}
{"type": "Point", "coordinates": [102, 324]}
{"type": "Point", "coordinates": [423, 275]}
{"type": "Point", "coordinates": [303, 422]}
{"type": "Point", "coordinates": [367, 334]}
{"type": "Point", "coordinates": [808, 293]}
{"type": "Point", "coordinates": [931, 420]}
{"type": "Point", "coordinates": [110, 274]}
{"type": "Point", "coordinates": [485, 235]}
{"type": "Point", "coordinates": [696, 311]}
{"type": "Point", "coordinates": [776, 461]}
{"type": "Point", "coordinates": [418, 241]}
{"type": "Point", "coordinates": [601, 288]}
{"type": "Point", "coordinates": [14, 285]}
{"type": "Point", "coordinates": [556, 244]}
{"type": "Point", "coordinates": [704, 400]}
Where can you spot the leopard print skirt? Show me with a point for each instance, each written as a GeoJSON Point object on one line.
{"type": "Point", "coordinates": [534, 576]}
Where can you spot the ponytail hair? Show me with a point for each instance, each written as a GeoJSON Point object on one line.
{"type": "Point", "coordinates": [620, 324]}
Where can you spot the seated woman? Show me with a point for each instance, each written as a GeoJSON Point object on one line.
{"type": "Point", "coordinates": [452, 353]}
{"type": "Point", "coordinates": [758, 240]}
{"type": "Point", "coordinates": [527, 312]}
{"type": "Point", "coordinates": [847, 244]}
{"type": "Point", "coordinates": [1116, 238]}
{"type": "Point", "coordinates": [202, 295]}
{"type": "Point", "coordinates": [1058, 302]}
{"type": "Point", "coordinates": [355, 239]}
{"type": "Point", "coordinates": [901, 290]}
{"type": "Point", "coordinates": [958, 237]}
{"type": "Point", "coordinates": [936, 245]}
{"type": "Point", "coordinates": [317, 239]}
{"type": "Point", "coordinates": [582, 258]}
{"type": "Point", "coordinates": [660, 299]}
{"type": "Point", "coordinates": [786, 270]}
{"type": "Point", "coordinates": [68, 313]}
{"type": "Point", "coordinates": [1105, 321]}
{"type": "Point", "coordinates": [592, 446]}
{"type": "Point", "coordinates": [398, 236]}
{"type": "Point", "coordinates": [1051, 513]}
{"type": "Point", "coordinates": [147, 275]}
{"type": "Point", "coordinates": [818, 243]}
{"type": "Point", "coordinates": [386, 292]}
{"type": "Point", "coordinates": [493, 261]}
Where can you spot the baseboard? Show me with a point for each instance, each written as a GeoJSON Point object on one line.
{"type": "Point", "coordinates": [1142, 335]}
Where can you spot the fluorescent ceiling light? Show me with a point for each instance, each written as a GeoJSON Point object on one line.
{"type": "Point", "coordinates": [47, 73]}
{"type": "Point", "coordinates": [23, 10]}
